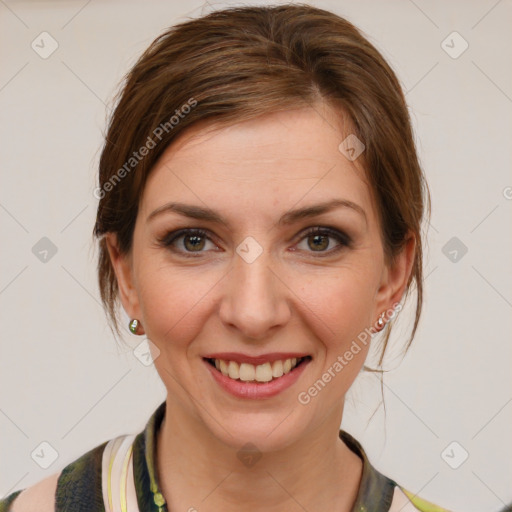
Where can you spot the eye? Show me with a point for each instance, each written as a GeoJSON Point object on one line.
{"type": "Point", "coordinates": [318, 240]}
{"type": "Point", "coordinates": [189, 241]}
{"type": "Point", "coordinates": [192, 241]}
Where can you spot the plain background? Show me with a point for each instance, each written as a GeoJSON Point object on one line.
{"type": "Point", "coordinates": [63, 379]}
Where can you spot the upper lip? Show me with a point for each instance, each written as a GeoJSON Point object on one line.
{"type": "Point", "coordinates": [255, 360]}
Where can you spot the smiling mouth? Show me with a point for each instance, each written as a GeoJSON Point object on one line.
{"type": "Point", "coordinates": [265, 372]}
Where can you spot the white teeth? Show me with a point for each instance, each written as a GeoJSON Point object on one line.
{"type": "Point", "coordinates": [247, 372]}
{"type": "Point", "coordinates": [262, 373]}
{"type": "Point", "coordinates": [277, 369]}
{"type": "Point", "coordinates": [233, 370]}
{"type": "Point", "coordinates": [223, 367]}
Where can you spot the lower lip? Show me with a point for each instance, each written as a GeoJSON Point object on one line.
{"type": "Point", "coordinates": [257, 390]}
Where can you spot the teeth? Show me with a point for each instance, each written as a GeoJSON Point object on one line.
{"type": "Point", "coordinates": [223, 367]}
{"type": "Point", "coordinates": [233, 370]}
{"type": "Point", "coordinates": [247, 372]}
{"type": "Point", "coordinates": [262, 373]}
{"type": "Point", "coordinates": [277, 369]}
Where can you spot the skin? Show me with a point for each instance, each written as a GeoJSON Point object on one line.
{"type": "Point", "coordinates": [293, 297]}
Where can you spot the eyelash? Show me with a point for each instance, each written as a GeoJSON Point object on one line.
{"type": "Point", "coordinates": [170, 238]}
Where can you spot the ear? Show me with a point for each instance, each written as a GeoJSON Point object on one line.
{"type": "Point", "coordinates": [123, 268]}
{"type": "Point", "coordinates": [395, 277]}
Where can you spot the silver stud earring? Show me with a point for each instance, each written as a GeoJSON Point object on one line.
{"type": "Point", "coordinates": [380, 321]}
{"type": "Point", "coordinates": [133, 326]}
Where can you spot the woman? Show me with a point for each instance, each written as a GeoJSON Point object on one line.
{"type": "Point", "coordinates": [259, 221]}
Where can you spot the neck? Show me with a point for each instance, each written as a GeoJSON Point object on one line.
{"type": "Point", "coordinates": [197, 471]}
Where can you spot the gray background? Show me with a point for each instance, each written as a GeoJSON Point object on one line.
{"type": "Point", "coordinates": [63, 379]}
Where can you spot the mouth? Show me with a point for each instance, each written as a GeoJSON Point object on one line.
{"type": "Point", "coordinates": [262, 373]}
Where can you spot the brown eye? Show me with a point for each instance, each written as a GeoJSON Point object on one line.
{"type": "Point", "coordinates": [193, 242]}
{"type": "Point", "coordinates": [319, 240]}
{"type": "Point", "coordinates": [186, 241]}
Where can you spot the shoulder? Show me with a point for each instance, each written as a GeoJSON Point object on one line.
{"type": "Point", "coordinates": [76, 487]}
{"type": "Point", "coordinates": [40, 497]}
{"type": "Point", "coordinates": [406, 501]}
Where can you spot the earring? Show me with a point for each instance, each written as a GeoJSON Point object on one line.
{"type": "Point", "coordinates": [380, 322]}
{"type": "Point", "coordinates": [133, 326]}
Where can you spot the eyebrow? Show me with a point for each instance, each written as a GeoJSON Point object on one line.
{"type": "Point", "coordinates": [288, 218]}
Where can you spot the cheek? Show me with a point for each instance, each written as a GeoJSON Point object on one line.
{"type": "Point", "coordinates": [338, 309]}
{"type": "Point", "coordinates": [342, 303]}
{"type": "Point", "coordinates": [174, 303]}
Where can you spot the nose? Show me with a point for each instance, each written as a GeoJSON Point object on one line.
{"type": "Point", "coordinates": [255, 298]}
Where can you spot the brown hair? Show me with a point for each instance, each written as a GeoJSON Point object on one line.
{"type": "Point", "coordinates": [240, 63]}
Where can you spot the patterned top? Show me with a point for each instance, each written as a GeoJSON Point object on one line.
{"type": "Point", "coordinates": [81, 485]}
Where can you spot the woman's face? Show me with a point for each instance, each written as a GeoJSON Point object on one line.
{"type": "Point", "coordinates": [259, 286]}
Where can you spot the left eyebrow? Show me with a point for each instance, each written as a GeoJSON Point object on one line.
{"type": "Point", "coordinates": [291, 217]}
{"type": "Point", "coordinates": [318, 209]}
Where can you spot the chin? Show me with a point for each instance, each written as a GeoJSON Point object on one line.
{"type": "Point", "coordinates": [267, 432]}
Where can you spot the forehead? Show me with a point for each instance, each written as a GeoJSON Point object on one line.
{"type": "Point", "coordinates": [283, 159]}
